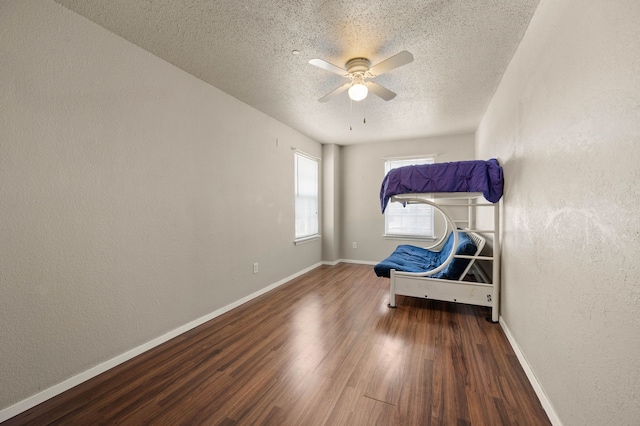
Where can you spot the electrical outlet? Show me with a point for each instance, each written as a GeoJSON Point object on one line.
{"type": "Point", "coordinates": [255, 268]}
{"type": "Point", "coordinates": [355, 245]}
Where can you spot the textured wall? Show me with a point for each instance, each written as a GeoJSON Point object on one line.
{"type": "Point", "coordinates": [565, 122]}
{"type": "Point", "coordinates": [362, 173]}
{"type": "Point", "coordinates": [126, 210]}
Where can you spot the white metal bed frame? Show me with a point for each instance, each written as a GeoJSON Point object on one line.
{"type": "Point", "coordinates": [486, 293]}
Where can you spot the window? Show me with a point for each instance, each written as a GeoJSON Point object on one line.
{"type": "Point", "coordinates": [414, 220]}
{"type": "Point", "coordinates": [306, 195]}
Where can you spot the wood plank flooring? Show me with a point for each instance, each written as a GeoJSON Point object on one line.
{"type": "Point", "coordinates": [323, 349]}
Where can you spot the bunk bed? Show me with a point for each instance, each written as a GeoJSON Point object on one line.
{"type": "Point", "coordinates": [449, 269]}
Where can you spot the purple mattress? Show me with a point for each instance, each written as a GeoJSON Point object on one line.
{"type": "Point", "coordinates": [460, 176]}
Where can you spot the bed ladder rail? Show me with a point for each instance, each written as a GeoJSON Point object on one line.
{"type": "Point", "coordinates": [479, 241]}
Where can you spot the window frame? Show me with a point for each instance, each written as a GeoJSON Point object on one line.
{"type": "Point", "coordinates": [310, 230]}
{"type": "Point", "coordinates": [410, 209]}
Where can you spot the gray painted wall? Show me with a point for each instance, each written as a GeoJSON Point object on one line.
{"type": "Point", "coordinates": [565, 122]}
{"type": "Point", "coordinates": [126, 208]}
{"type": "Point", "coordinates": [330, 203]}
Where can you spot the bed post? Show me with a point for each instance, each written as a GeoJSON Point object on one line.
{"type": "Point", "coordinates": [392, 289]}
{"type": "Point", "coordinates": [471, 216]}
{"type": "Point", "coordinates": [497, 251]}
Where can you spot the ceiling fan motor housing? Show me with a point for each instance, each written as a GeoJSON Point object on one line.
{"type": "Point", "coordinates": [358, 65]}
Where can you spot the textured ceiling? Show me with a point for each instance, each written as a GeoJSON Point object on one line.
{"type": "Point", "coordinates": [244, 48]}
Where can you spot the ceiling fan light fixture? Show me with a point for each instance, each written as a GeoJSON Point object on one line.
{"type": "Point", "coordinates": [358, 91]}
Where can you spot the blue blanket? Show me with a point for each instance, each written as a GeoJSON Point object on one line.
{"type": "Point", "coordinates": [460, 176]}
{"type": "Point", "coordinates": [410, 258]}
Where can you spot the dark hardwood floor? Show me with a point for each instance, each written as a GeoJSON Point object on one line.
{"type": "Point", "coordinates": [323, 349]}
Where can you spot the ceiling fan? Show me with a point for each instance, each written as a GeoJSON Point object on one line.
{"type": "Point", "coordinates": [358, 70]}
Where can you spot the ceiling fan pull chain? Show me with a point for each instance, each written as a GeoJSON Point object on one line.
{"type": "Point", "coordinates": [364, 105]}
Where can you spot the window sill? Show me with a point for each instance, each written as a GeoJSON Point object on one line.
{"type": "Point", "coordinates": [307, 239]}
{"type": "Point", "coordinates": [408, 237]}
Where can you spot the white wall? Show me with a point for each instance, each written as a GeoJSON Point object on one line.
{"type": "Point", "coordinates": [362, 172]}
{"type": "Point", "coordinates": [134, 198]}
{"type": "Point", "coordinates": [565, 123]}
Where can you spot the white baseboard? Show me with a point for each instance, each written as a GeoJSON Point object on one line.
{"type": "Point", "coordinates": [544, 400]}
{"type": "Point", "coordinates": [55, 390]}
{"type": "Point", "coordinates": [359, 262]}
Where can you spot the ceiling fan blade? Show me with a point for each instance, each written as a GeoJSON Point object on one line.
{"type": "Point", "coordinates": [380, 91]}
{"type": "Point", "coordinates": [321, 63]}
{"type": "Point", "coordinates": [397, 60]}
{"type": "Point", "coordinates": [335, 92]}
